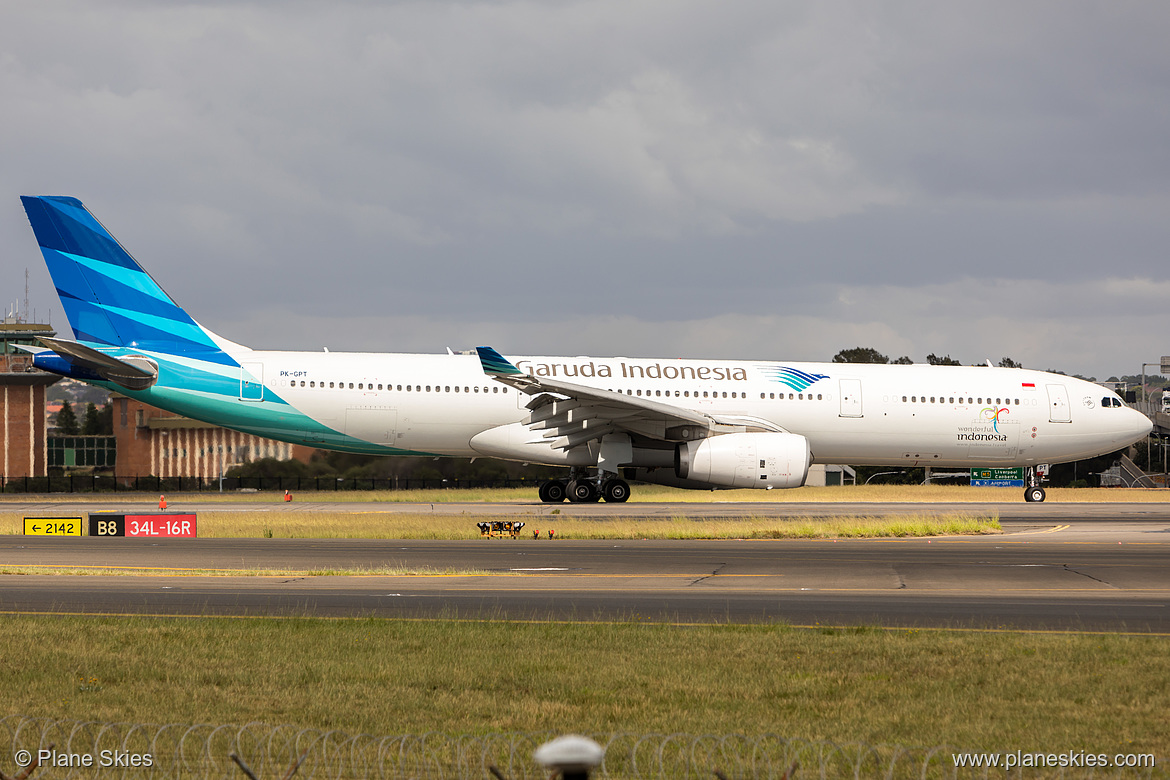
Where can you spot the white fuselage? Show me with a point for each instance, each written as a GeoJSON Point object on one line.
{"type": "Point", "coordinates": [851, 413]}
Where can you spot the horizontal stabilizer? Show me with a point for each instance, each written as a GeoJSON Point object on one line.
{"type": "Point", "coordinates": [133, 373]}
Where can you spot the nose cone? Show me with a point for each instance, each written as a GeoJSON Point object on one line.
{"type": "Point", "coordinates": [1138, 426]}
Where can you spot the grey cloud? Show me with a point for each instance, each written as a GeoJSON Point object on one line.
{"type": "Point", "coordinates": [652, 172]}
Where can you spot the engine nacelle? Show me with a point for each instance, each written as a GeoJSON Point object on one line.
{"type": "Point", "coordinates": [745, 460]}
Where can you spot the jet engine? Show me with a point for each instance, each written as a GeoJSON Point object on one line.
{"type": "Point", "coordinates": [745, 460]}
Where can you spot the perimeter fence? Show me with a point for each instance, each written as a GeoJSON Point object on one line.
{"type": "Point", "coordinates": [205, 752]}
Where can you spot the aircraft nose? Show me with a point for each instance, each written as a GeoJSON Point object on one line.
{"type": "Point", "coordinates": [1141, 426]}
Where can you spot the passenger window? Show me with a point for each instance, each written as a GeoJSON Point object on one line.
{"type": "Point", "coordinates": [820, 397]}
{"type": "Point", "coordinates": [800, 396]}
{"type": "Point", "coordinates": [903, 399]}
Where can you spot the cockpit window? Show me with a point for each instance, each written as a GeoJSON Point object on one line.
{"type": "Point", "coordinates": [1111, 401]}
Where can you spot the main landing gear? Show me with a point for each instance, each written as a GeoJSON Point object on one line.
{"type": "Point", "coordinates": [1033, 493]}
{"type": "Point", "coordinates": [584, 489]}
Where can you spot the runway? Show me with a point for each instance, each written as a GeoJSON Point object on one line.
{"type": "Point", "coordinates": [1059, 567]}
{"type": "Point", "coordinates": [1010, 510]}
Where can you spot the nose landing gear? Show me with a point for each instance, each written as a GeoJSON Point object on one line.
{"type": "Point", "coordinates": [1034, 494]}
{"type": "Point", "coordinates": [1033, 475]}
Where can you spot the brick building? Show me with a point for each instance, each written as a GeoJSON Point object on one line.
{"type": "Point", "coordinates": [157, 443]}
{"type": "Point", "coordinates": [25, 424]}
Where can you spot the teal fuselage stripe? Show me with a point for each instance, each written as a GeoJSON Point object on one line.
{"type": "Point", "coordinates": [210, 395]}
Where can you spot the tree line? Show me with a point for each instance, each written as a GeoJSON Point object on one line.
{"type": "Point", "coordinates": [871, 355]}
{"type": "Point", "coordinates": [97, 422]}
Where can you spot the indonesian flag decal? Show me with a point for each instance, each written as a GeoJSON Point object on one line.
{"type": "Point", "coordinates": [1028, 385]}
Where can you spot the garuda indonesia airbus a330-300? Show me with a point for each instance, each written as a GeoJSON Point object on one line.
{"type": "Point", "coordinates": [691, 423]}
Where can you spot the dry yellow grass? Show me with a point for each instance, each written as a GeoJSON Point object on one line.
{"type": "Point", "coordinates": [157, 571]}
{"type": "Point", "coordinates": [409, 525]}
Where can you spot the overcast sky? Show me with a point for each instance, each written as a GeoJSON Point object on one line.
{"type": "Point", "coordinates": [673, 179]}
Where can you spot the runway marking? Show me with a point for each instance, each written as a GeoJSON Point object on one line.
{"type": "Point", "coordinates": [1052, 530]}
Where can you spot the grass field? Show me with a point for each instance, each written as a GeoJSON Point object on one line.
{"type": "Point", "coordinates": [407, 525]}
{"type": "Point", "coordinates": [994, 691]}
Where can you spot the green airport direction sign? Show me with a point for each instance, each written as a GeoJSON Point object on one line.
{"type": "Point", "coordinates": [997, 477]}
{"type": "Point", "coordinates": [1016, 473]}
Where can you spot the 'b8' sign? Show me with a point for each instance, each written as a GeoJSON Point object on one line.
{"type": "Point", "coordinates": [160, 525]}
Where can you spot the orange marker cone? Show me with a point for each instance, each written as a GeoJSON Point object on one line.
{"type": "Point", "coordinates": [162, 502]}
{"type": "Point", "coordinates": [287, 496]}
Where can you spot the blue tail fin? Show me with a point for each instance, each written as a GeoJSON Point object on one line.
{"type": "Point", "coordinates": [108, 298]}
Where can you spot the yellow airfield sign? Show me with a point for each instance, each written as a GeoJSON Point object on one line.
{"type": "Point", "coordinates": [53, 526]}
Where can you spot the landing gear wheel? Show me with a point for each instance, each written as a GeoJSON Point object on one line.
{"type": "Point", "coordinates": [615, 491]}
{"type": "Point", "coordinates": [552, 492]}
{"type": "Point", "coordinates": [1034, 494]}
{"type": "Point", "coordinates": [582, 491]}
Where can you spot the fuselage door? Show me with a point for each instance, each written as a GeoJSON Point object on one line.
{"type": "Point", "coordinates": [1058, 407]}
{"type": "Point", "coordinates": [251, 381]}
{"type": "Point", "coordinates": [851, 398]}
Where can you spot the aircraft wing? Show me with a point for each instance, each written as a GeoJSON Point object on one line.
{"type": "Point", "coordinates": [573, 414]}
